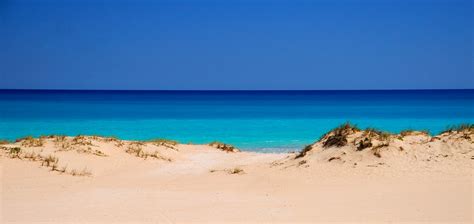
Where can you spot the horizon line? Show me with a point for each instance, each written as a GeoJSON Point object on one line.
{"type": "Point", "coordinates": [227, 90]}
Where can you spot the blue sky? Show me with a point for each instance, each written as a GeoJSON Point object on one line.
{"type": "Point", "coordinates": [236, 45]}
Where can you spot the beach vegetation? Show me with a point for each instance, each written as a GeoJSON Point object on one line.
{"type": "Point", "coordinates": [104, 138]}
{"type": "Point", "coordinates": [32, 156]}
{"type": "Point", "coordinates": [337, 140]}
{"type": "Point", "coordinates": [236, 171]}
{"type": "Point", "coordinates": [29, 141]}
{"type": "Point", "coordinates": [363, 144]}
{"type": "Point", "coordinates": [156, 155]}
{"type": "Point", "coordinates": [459, 128]}
{"type": "Point", "coordinates": [224, 147]}
{"type": "Point", "coordinates": [408, 132]}
{"type": "Point", "coordinates": [338, 136]}
{"type": "Point", "coordinates": [377, 149]}
{"type": "Point", "coordinates": [302, 162]}
{"type": "Point", "coordinates": [81, 140]}
{"type": "Point", "coordinates": [119, 143]}
{"type": "Point", "coordinates": [111, 138]}
{"type": "Point", "coordinates": [45, 136]}
{"type": "Point", "coordinates": [341, 129]}
{"type": "Point", "coordinates": [99, 153]}
{"type": "Point", "coordinates": [83, 172]}
{"type": "Point", "coordinates": [162, 141]}
{"type": "Point", "coordinates": [136, 149]}
{"type": "Point", "coordinates": [50, 160]}
{"type": "Point", "coordinates": [59, 138]}
{"type": "Point", "coordinates": [14, 152]}
{"type": "Point", "coordinates": [303, 152]}
{"type": "Point", "coordinates": [377, 134]}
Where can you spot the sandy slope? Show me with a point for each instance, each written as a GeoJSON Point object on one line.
{"type": "Point", "coordinates": [416, 178]}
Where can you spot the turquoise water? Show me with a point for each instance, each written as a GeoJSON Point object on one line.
{"type": "Point", "coordinates": [266, 121]}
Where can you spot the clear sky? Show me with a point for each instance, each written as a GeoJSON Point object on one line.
{"type": "Point", "coordinates": [235, 45]}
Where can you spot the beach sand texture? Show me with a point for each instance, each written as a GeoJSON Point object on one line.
{"type": "Point", "coordinates": [349, 176]}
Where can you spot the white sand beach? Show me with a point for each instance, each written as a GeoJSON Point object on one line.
{"type": "Point", "coordinates": [350, 176]}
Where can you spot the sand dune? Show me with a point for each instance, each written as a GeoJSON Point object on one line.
{"type": "Point", "coordinates": [348, 176]}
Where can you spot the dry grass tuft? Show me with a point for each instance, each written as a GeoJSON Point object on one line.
{"type": "Point", "coordinates": [224, 147]}
{"type": "Point", "coordinates": [236, 171]}
{"type": "Point", "coordinates": [50, 161]}
{"type": "Point", "coordinates": [83, 172]}
{"type": "Point", "coordinates": [302, 162]}
{"type": "Point", "coordinates": [377, 134]}
{"type": "Point", "coordinates": [377, 149]}
{"type": "Point", "coordinates": [59, 138]}
{"type": "Point", "coordinates": [459, 128]}
{"type": "Point", "coordinates": [162, 141]}
{"type": "Point", "coordinates": [135, 148]}
{"type": "Point", "coordinates": [363, 144]}
{"type": "Point", "coordinates": [338, 136]}
{"type": "Point", "coordinates": [119, 143]}
{"type": "Point", "coordinates": [32, 156]}
{"type": "Point", "coordinates": [29, 141]}
{"type": "Point", "coordinates": [111, 139]}
{"type": "Point", "coordinates": [409, 132]}
{"type": "Point", "coordinates": [89, 150]}
{"type": "Point", "coordinates": [81, 140]}
{"type": "Point", "coordinates": [229, 171]}
{"type": "Point", "coordinates": [303, 152]}
{"type": "Point", "coordinates": [14, 152]}
{"type": "Point", "coordinates": [99, 153]}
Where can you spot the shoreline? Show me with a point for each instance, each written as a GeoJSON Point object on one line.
{"type": "Point", "coordinates": [448, 128]}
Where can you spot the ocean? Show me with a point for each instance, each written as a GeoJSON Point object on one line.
{"type": "Point", "coordinates": [264, 121]}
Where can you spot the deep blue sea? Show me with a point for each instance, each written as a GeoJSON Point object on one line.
{"type": "Point", "coordinates": [269, 121]}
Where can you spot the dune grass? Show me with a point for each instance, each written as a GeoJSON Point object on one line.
{"type": "Point", "coordinates": [30, 141]}
{"type": "Point", "coordinates": [162, 141]}
{"type": "Point", "coordinates": [337, 137]}
{"type": "Point", "coordinates": [459, 128]}
{"type": "Point", "coordinates": [303, 152]}
{"type": "Point", "coordinates": [81, 140]}
{"type": "Point", "coordinates": [50, 161]}
{"type": "Point", "coordinates": [14, 152]}
{"type": "Point", "coordinates": [224, 147]}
